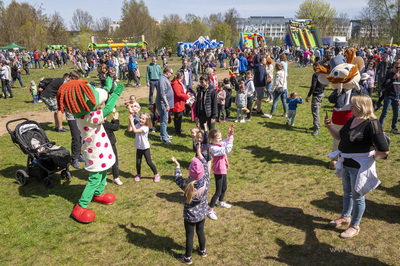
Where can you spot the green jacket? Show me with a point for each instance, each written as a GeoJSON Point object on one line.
{"type": "Point", "coordinates": [153, 72]}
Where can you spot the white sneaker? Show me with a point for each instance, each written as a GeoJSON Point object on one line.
{"type": "Point", "coordinates": [212, 215]}
{"type": "Point", "coordinates": [268, 115]}
{"type": "Point", "coordinates": [242, 121]}
{"type": "Point", "coordinates": [117, 181]}
{"type": "Point", "coordinates": [236, 121]}
{"type": "Point", "coordinates": [223, 204]}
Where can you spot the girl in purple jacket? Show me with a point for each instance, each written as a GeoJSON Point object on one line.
{"type": "Point", "coordinates": [219, 150]}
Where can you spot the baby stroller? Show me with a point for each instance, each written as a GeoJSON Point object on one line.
{"type": "Point", "coordinates": [44, 157]}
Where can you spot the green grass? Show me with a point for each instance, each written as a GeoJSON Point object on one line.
{"type": "Point", "coordinates": [282, 194]}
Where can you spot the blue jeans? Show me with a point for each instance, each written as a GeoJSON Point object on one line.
{"type": "Point", "coordinates": [221, 61]}
{"type": "Point", "coordinates": [196, 73]}
{"type": "Point", "coordinates": [121, 73]}
{"type": "Point", "coordinates": [163, 123]}
{"type": "Point", "coordinates": [19, 79]}
{"type": "Point", "coordinates": [292, 116]}
{"type": "Point", "coordinates": [153, 84]}
{"type": "Point", "coordinates": [283, 97]}
{"type": "Point", "coordinates": [35, 98]}
{"type": "Point", "coordinates": [353, 203]}
{"type": "Point", "coordinates": [386, 104]}
{"type": "Point", "coordinates": [37, 61]}
{"type": "Point", "coordinates": [269, 87]}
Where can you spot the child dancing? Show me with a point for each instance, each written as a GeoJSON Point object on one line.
{"type": "Point", "coordinates": [142, 144]}
{"type": "Point", "coordinates": [219, 149]}
{"type": "Point", "coordinates": [195, 208]}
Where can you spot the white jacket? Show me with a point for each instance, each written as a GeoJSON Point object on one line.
{"type": "Point", "coordinates": [367, 179]}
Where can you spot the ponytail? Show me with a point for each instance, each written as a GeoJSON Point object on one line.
{"type": "Point", "coordinates": [189, 191]}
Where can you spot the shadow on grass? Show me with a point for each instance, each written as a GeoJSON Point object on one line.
{"type": "Point", "coordinates": [377, 211]}
{"type": "Point", "coordinates": [176, 197]}
{"type": "Point", "coordinates": [312, 251]}
{"type": "Point", "coordinates": [393, 191]}
{"type": "Point", "coordinates": [283, 126]}
{"type": "Point", "coordinates": [148, 240]}
{"type": "Point", "coordinates": [272, 156]}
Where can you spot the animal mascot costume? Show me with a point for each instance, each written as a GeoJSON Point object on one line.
{"type": "Point", "coordinates": [83, 101]}
{"type": "Point", "coordinates": [344, 77]}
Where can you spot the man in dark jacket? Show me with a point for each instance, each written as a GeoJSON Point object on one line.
{"type": "Point", "coordinates": [49, 97]}
{"type": "Point", "coordinates": [317, 92]}
{"type": "Point", "coordinates": [206, 103]}
{"type": "Point", "coordinates": [260, 80]}
{"type": "Point", "coordinates": [392, 96]}
{"type": "Point", "coordinates": [381, 72]}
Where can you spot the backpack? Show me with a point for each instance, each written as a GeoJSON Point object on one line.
{"type": "Point", "coordinates": [44, 82]}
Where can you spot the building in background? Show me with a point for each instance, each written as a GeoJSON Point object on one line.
{"type": "Point", "coordinates": [273, 27]}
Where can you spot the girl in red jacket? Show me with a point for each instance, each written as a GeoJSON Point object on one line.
{"type": "Point", "coordinates": [219, 150]}
{"type": "Point", "coordinates": [179, 102]}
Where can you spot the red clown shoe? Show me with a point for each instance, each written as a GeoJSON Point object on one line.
{"type": "Point", "coordinates": [83, 215]}
{"type": "Point", "coordinates": [105, 199]}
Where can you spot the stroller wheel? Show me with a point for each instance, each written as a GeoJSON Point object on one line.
{"type": "Point", "coordinates": [49, 182]}
{"type": "Point", "coordinates": [65, 175]}
{"type": "Point", "coordinates": [21, 176]}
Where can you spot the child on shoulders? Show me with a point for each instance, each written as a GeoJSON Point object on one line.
{"type": "Point", "coordinates": [134, 108]}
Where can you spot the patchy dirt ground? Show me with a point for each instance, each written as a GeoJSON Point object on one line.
{"type": "Point", "coordinates": [47, 116]}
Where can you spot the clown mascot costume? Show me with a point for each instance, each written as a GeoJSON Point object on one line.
{"type": "Point", "coordinates": [344, 76]}
{"type": "Point", "coordinates": [83, 101]}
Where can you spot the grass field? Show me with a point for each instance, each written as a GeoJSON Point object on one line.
{"type": "Point", "coordinates": [282, 193]}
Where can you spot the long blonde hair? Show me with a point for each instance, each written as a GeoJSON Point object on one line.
{"type": "Point", "coordinates": [364, 104]}
{"type": "Point", "coordinates": [189, 190]}
{"type": "Point", "coordinates": [148, 119]}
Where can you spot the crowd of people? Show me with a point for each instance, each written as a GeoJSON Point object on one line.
{"type": "Point", "coordinates": [252, 81]}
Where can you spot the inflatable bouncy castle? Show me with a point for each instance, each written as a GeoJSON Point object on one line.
{"type": "Point", "coordinates": [251, 38]}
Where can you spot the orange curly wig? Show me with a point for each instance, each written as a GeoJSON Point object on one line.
{"type": "Point", "coordinates": [66, 95]}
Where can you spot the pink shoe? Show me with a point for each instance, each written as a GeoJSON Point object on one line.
{"type": "Point", "coordinates": [157, 178]}
{"type": "Point", "coordinates": [137, 178]}
{"type": "Point", "coordinates": [223, 121]}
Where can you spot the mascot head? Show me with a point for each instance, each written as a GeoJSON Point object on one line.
{"type": "Point", "coordinates": [79, 97]}
{"type": "Point", "coordinates": [342, 74]}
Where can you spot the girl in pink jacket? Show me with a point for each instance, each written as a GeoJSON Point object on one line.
{"type": "Point", "coordinates": [219, 149]}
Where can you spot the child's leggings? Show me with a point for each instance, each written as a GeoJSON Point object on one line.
{"type": "Point", "coordinates": [221, 186]}
{"type": "Point", "coordinates": [189, 229]}
{"type": "Point", "coordinates": [291, 115]}
{"type": "Point", "coordinates": [147, 156]}
{"type": "Point", "coordinates": [240, 111]}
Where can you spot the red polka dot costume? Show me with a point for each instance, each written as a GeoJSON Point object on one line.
{"type": "Point", "coordinates": [96, 146]}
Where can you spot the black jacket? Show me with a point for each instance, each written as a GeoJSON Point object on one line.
{"type": "Point", "coordinates": [110, 127]}
{"type": "Point", "coordinates": [207, 105]}
{"type": "Point", "coordinates": [316, 87]}
{"type": "Point", "coordinates": [392, 86]}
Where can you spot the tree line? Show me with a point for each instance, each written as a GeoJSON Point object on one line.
{"type": "Point", "coordinates": [29, 26]}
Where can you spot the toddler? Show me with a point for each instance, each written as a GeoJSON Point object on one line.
{"type": "Point", "coordinates": [221, 96]}
{"type": "Point", "coordinates": [201, 140]}
{"type": "Point", "coordinates": [228, 98]}
{"type": "Point", "coordinates": [34, 92]}
{"type": "Point", "coordinates": [134, 108]}
{"type": "Point", "coordinates": [219, 149]}
{"type": "Point", "coordinates": [241, 102]}
{"type": "Point", "coordinates": [142, 145]}
{"type": "Point", "coordinates": [292, 102]}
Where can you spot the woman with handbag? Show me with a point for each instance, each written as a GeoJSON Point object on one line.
{"type": "Point", "coordinates": [279, 90]}
{"type": "Point", "coordinates": [362, 142]}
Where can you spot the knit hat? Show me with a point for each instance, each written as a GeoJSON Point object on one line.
{"type": "Point", "coordinates": [196, 169]}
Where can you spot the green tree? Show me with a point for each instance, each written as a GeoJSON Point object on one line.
{"type": "Point", "coordinates": [322, 14]}
{"type": "Point", "coordinates": [386, 16]}
{"type": "Point", "coordinates": [195, 28]}
{"type": "Point", "coordinates": [171, 33]}
{"type": "Point", "coordinates": [136, 21]}
{"type": "Point", "coordinates": [222, 32]}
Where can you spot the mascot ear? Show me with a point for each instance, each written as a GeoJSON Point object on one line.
{"type": "Point", "coordinates": [360, 62]}
{"type": "Point", "coordinates": [323, 80]}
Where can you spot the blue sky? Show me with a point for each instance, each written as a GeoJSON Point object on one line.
{"type": "Point", "coordinates": [159, 8]}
